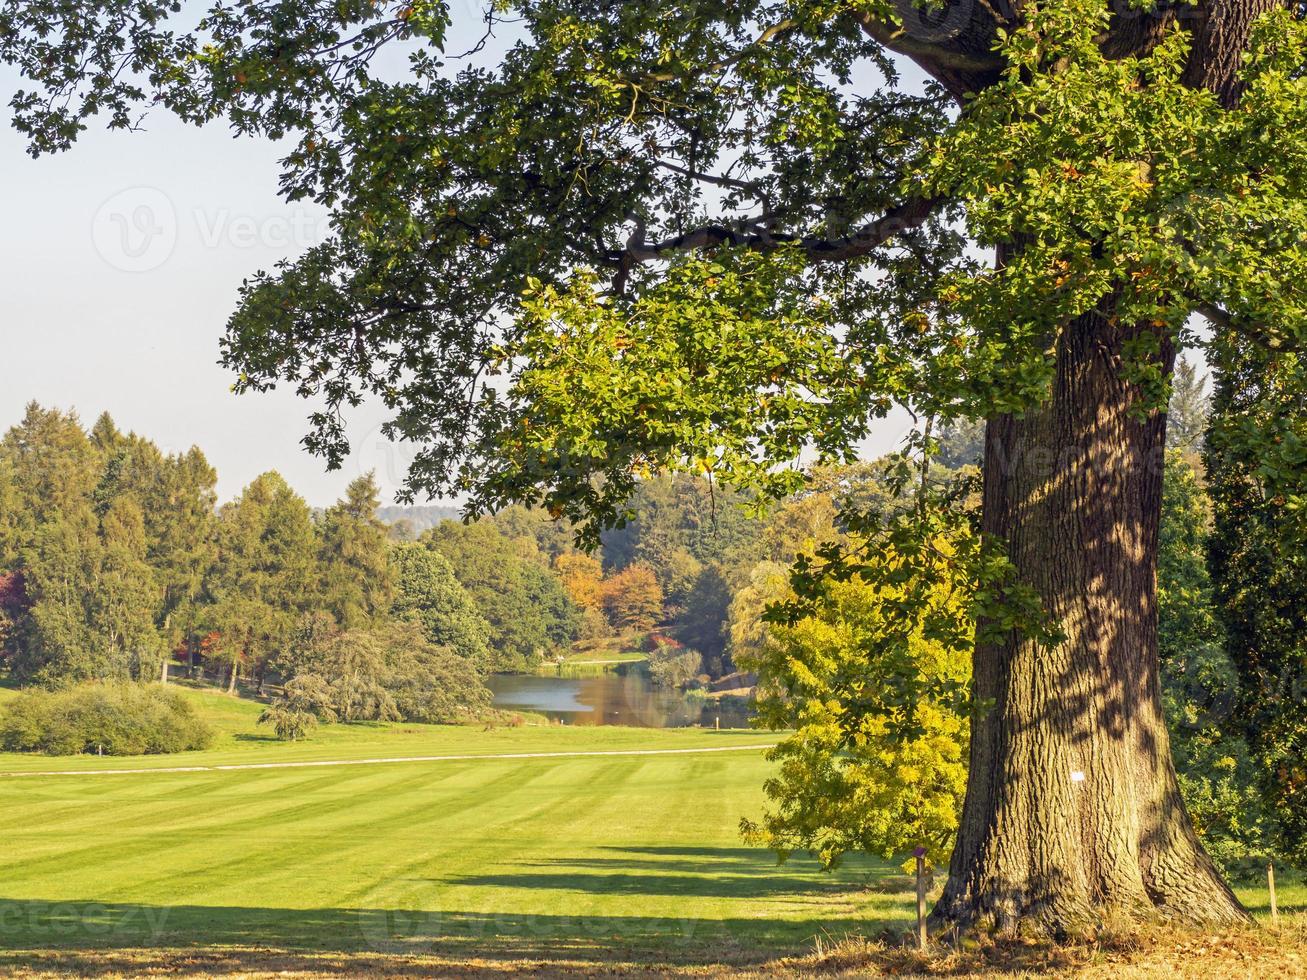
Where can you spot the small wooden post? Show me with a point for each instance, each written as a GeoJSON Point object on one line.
{"type": "Point", "coordinates": [1270, 883]}
{"type": "Point", "coordinates": [920, 855]}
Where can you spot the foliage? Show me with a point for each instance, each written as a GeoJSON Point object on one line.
{"type": "Point", "coordinates": [541, 536]}
{"type": "Point", "coordinates": [582, 577]}
{"type": "Point", "coordinates": [1121, 179]}
{"type": "Point", "coordinates": [1188, 409]}
{"type": "Point", "coordinates": [1254, 450]}
{"type": "Point", "coordinates": [67, 630]}
{"type": "Point", "coordinates": [353, 555]}
{"type": "Point", "coordinates": [674, 666]}
{"type": "Point", "coordinates": [851, 778]}
{"type": "Point", "coordinates": [427, 591]}
{"type": "Point", "coordinates": [295, 714]}
{"type": "Point", "coordinates": [674, 524]}
{"type": "Point", "coordinates": [528, 612]}
{"type": "Point", "coordinates": [265, 580]}
{"type": "Point", "coordinates": [102, 718]}
{"type": "Point", "coordinates": [345, 673]}
{"type": "Point", "coordinates": [388, 672]}
{"type": "Point", "coordinates": [701, 624]}
{"type": "Point", "coordinates": [175, 494]}
{"type": "Point", "coordinates": [1200, 683]}
{"type": "Point", "coordinates": [633, 598]}
{"type": "Point", "coordinates": [429, 682]}
{"type": "Point", "coordinates": [456, 193]}
{"type": "Point", "coordinates": [593, 625]}
{"type": "Point", "coordinates": [961, 443]}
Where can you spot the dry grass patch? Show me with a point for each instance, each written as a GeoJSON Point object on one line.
{"type": "Point", "coordinates": [1163, 954]}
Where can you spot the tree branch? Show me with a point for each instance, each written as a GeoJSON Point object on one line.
{"type": "Point", "coordinates": [900, 41]}
{"type": "Point", "coordinates": [770, 34]}
{"type": "Point", "coordinates": [958, 56]}
{"type": "Point", "coordinates": [753, 233]}
{"type": "Point", "coordinates": [1223, 318]}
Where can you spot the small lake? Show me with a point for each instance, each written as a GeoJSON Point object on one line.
{"type": "Point", "coordinates": [613, 698]}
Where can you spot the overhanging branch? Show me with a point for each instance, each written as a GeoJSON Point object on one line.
{"type": "Point", "coordinates": [1225, 319]}
{"type": "Point", "coordinates": [900, 41]}
{"type": "Point", "coordinates": [753, 233]}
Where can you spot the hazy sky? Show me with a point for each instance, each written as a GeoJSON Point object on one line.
{"type": "Point", "coordinates": [121, 260]}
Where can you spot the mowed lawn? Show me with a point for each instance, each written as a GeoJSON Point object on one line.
{"type": "Point", "coordinates": [552, 864]}
{"type": "Point", "coordinates": [591, 858]}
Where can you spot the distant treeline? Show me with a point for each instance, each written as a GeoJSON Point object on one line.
{"type": "Point", "coordinates": [413, 519]}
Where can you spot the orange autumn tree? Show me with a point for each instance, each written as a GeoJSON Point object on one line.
{"type": "Point", "coordinates": [633, 598]}
{"type": "Point", "coordinates": [583, 579]}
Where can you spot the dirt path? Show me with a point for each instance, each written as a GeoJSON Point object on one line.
{"type": "Point", "coordinates": [386, 761]}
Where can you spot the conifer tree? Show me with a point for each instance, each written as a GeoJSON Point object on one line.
{"type": "Point", "coordinates": [353, 546]}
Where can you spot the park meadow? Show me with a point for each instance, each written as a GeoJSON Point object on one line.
{"type": "Point", "coordinates": [658, 488]}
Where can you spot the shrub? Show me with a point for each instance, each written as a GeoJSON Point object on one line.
{"type": "Point", "coordinates": [295, 714]}
{"type": "Point", "coordinates": [388, 673]}
{"type": "Point", "coordinates": [593, 625]}
{"type": "Point", "coordinates": [660, 643]}
{"type": "Point", "coordinates": [103, 718]}
{"type": "Point", "coordinates": [674, 666]}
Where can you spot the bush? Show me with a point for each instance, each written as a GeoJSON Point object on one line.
{"type": "Point", "coordinates": [673, 666]}
{"type": "Point", "coordinates": [387, 673]}
{"type": "Point", "coordinates": [103, 718]}
{"type": "Point", "coordinates": [593, 625]}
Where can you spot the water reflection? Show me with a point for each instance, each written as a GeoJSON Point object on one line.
{"type": "Point", "coordinates": [614, 698]}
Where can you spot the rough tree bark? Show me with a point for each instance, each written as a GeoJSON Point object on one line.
{"type": "Point", "coordinates": [1073, 813]}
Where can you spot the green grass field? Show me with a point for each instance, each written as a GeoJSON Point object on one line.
{"type": "Point", "coordinates": [511, 857]}
{"type": "Point", "coordinates": [582, 859]}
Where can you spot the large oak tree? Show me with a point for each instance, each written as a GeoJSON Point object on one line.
{"type": "Point", "coordinates": [721, 234]}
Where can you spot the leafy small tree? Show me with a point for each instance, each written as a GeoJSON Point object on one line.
{"type": "Point", "coordinates": [674, 666]}
{"type": "Point", "coordinates": [866, 769]}
{"type": "Point", "coordinates": [294, 715]}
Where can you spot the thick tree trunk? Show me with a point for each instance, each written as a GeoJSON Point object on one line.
{"type": "Point", "coordinates": [1073, 816]}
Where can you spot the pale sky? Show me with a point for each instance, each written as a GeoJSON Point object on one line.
{"type": "Point", "coordinates": [120, 264]}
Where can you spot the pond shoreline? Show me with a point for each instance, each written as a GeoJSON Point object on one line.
{"type": "Point", "coordinates": [616, 696]}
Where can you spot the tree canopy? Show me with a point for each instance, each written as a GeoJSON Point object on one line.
{"type": "Point", "coordinates": [626, 140]}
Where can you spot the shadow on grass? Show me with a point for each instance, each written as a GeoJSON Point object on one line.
{"type": "Point", "coordinates": [409, 919]}
{"type": "Point", "coordinates": [699, 872]}
{"type": "Point", "coordinates": [111, 938]}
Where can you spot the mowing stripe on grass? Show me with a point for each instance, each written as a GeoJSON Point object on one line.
{"type": "Point", "coordinates": [377, 762]}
